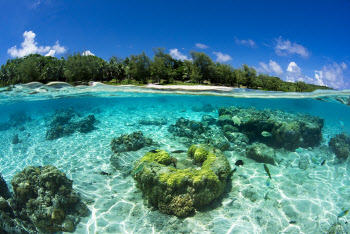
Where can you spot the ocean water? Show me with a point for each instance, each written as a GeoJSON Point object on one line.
{"type": "Point", "coordinates": [296, 200]}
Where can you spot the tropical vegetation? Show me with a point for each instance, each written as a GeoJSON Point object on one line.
{"type": "Point", "coordinates": [139, 69]}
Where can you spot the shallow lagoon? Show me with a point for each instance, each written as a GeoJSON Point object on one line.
{"type": "Point", "coordinates": [296, 200]}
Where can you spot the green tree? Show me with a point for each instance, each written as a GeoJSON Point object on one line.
{"type": "Point", "coordinates": [204, 65]}
{"type": "Point", "coordinates": [80, 67]}
{"type": "Point", "coordinates": [139, 67]}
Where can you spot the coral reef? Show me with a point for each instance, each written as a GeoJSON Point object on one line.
{"type": "Point", "coordinates": [274, 128]}
{"type": "Point", "coordinates": [261, 153]}
{"type": "Point", "coordinates": [187, 128]}
{"type": "Point", "coordinates": [45, 196]}
{"type": "Point", "coordinates": [340, 144]}
{"type": "Point", "coordinates": [130, 142]}
{"type": "Point", "coordinates": [66, 121]}
{"type": "Point", "coordinates": [4, 191]}
{"type": "Point", "coordinates": [180, 187]}
{"type": "Point", "coordinates": [16, 120]}
{"type": "Point", "coordinates": [208, 119]}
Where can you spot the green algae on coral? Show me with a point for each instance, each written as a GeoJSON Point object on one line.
{"type": "Point", "coordinates": [179, 191]}
{"type": "Point", "coordinates": [159, 156]}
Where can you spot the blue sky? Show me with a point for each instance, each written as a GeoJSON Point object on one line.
{"type": "Point", "coordinates": [294, 40]}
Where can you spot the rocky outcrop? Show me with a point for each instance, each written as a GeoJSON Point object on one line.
{"type": "Point", "coordinates": [130, 142]}
{"type": "Point", "coordinates": [187, 128]}
{"type": "Point", "coordinates": [261, 153]}
{"type": "Point", "coordinates": [45, 197]}
{"type": "Point", "coordinates": [178, 187]}
{"type": "Point", "coordinates": [274, 128]}
{"type": "Point", "coordinates": [4, 191]}
{"type": "Point", "coordinates": [66, 121]}
{"type": "Point", "coordinates": [340, 144]}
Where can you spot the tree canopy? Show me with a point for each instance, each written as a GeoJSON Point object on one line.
{"type": "Point", "coordinates": [140, 69]}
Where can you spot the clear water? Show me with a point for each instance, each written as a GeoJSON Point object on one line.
{"type": "Point", "coordinates": [312, 198]}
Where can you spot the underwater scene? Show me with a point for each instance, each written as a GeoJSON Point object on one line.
{"type": "Point", "coordinates": [106, 159]}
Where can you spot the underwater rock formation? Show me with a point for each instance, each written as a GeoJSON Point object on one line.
{"type": "Point", "coordinates": [130, 142]}
{"type": "Point", "coordinates": [66, 121]}
{"type": "Point", "coordinates": [187, 128]}
{"type": "Point", "coordinates": [208, 119]}
{"type": "Point", "coordinates": [9, 223]}
{"type": "Point", "coordinates": [261, 153]}
{"type": "Point", "coordinates": [157, 121]}
{"type": "Point", "coordinates": [340, 144]}
{"type": "Point", "coordinates": [180, 187]}
{"type": "Point", "coordinates": [274, 128]}
{"type": "Point", "coordinates": [4, 191]}
{"type": "Point", "coordinates": [16, 119]}
{"type": "Point", "coordinates": [203, 108]}
{"type": "Point", "coordinates": [45, 196]}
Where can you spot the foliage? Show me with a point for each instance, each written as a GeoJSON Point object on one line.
{"type": "Point", "coordinates": [139, 69]}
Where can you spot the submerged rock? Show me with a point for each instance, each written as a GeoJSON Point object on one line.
{"type": "Point", "coordinates": [340, 144]}
{"type": "Point", "coordinates": [177, 190]}
{"type": "Point", "coordinates": [261, 153]}
{"type": "Point", "coordinates": [45, 196]}
{"type": "Point", "coordinates": [130, 142]}
{"type": "Point", "coordinates": [187, 128]}
{"type": "Point", "coordinates": [15, 139]}
{"type": "Point", "coordinates": [18, 118]}
{"type": "Point", "coordinates": [274, 128]}
{"type": "Point", "coordinates": [4, 191]}
{"type": "Point", "coordinates": [66, 121]}
{"type": "Point", "coordinates": [208, 119]}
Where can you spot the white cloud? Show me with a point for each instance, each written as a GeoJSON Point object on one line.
{"type": "Point", "coordinates": [87, 52]}
{"type": "Point", "coordinates": [29, 46]}
{"type": "Point", "coordinates": [248, 42]}
{"type": "Point", "coordinates": [275, 68]}
{"type": "Point", "coordinates": [331, 75]}
{"type": "Point", "coordinates": [272, 67]}
{"type": "Point", "coordinates": [222, 58]}
{"type": "Point", "coordinates": [201, 46]}
{"type": "Point", "coordinates": [294, 73]}
{"type": "Point", "coordinates": [176, 54]}
{"type": "Point", "coordinates": [59, 49]}
{"type": "Point", "coordinates": [51, 53]}
{"type": "Point", "coordinates": [286, 47]}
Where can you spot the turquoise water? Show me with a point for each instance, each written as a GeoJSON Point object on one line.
{"type": "Point", "coordinates": [299, 200]}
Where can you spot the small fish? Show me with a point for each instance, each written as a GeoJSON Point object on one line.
{"type": "Point", "coordinates": [153, 151]}
{"type": "Point", "coordinates": [266, 134]}
{"type": "Point", "coordinates": [292, 222]}
{"type": "Point", "coordinates": [178, 151]}
{"type": "Point", "coordinates": [137, 169]}
{"type": "Point", "coordinates": [341, 123]}
{"type": "Point", "coordinates": [323, 162]}
{"type": "Point", "coordinates": [268, 182]}
{"type": "Point", "coordinates": [267, 170]}
{"type": "Point", "coordinates": [239, 163]}
{"type": "Point", "coordinates": [342, 213]}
